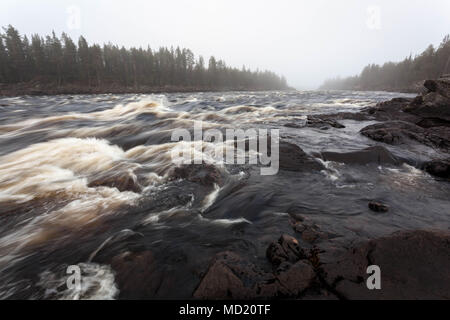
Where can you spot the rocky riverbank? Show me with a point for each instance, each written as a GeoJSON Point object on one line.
{"type": "Point", "coordinates": [310, 265]}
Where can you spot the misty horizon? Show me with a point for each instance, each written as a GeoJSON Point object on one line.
{"type": "Point", "coordinates": [306, 43]}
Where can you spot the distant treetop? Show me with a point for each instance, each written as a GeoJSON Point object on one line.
{"type": "Point", "coordinates": [58, 60]}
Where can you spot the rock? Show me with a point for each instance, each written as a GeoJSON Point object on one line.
{"type": "Point", "coordinates": [413, 264]}
{"type": "Point", "coordinates": [310, 232]}
{"type": "Point", "coordinates": [432, 122]}
{"type": "Point", "coordinates": [204, 174]}
{"type": "Point", "coordinates": [393, 132]}
{"type": "Point", "coordinates": [376, 154]}
{"type": "Point", "coordinates": [439, 168]}
{"type": "Point", "coordinates": [441, 87]}
{"type": "Point", "coordinates": [433, 105]}
{"type": "Point", "coordinates": [231, 277]}
{"type": "Point", "coordinates": [122, 181]}
{"type": "Point", "coordinates": [400, 132]}
{"type": "Point", "coordinates": [293, 158]}
{"type": "Point", "coordinates": [137, 275]}
{"type": "Point", "coordinates": [320, 122]}
{"type": "Point", "coordinates": [392, 110]}
{"type": "Point", "coordinates": [296, 278]}
{"type": "Point", "coordinates": [287, 249]}
{"type": "Point", "coordinates": [378, 207]}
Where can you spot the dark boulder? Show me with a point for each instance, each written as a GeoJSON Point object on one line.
{"type": "Point", "coordinates": [231, 277]}
{"type": "Point", "coordinates": [432, 105]}
{"type": "Point", "coordinates": [204, 174]}
{"type": "Point", "coordinates": [286, 249]}
{"type": "Point", "coordinates": [435, 104]}
{"type": "Point", "coordinates": [375, 154]}
{"type": "Point", "coordinates": [391, 110]}
{"type": "Point", "coordinates": [378, 207]}
{"type": "Point", "coordinates": [137, 275]}
{"type": "Point", "coordinates": [439, 168]}
{"type": "Point", "coordinates": [123, 181]}
{"type": "Point", "coordinates": [413, 264]}
{"type": "Point", "coordinates": [320, 122]}
{"type": "Point", "coordinates": [441, 86]}
{"type": "Point", "coordinates": [394, 132]}
{"type": "Point", "coordinates": [293, 158]}
{"type": "Point", "coordinates": [295, 278]}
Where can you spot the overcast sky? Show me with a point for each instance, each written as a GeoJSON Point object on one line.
{"type": "Point", "coordinates": [306, 41]}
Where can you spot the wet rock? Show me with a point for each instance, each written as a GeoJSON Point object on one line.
{"type": "Point", "coordinates": [296, 278]}
{"type": "Point", "coordinates": [293, 158]}
{"type": "Point", "coordinates": [378, 207]}
{"type": "Point", "coordinates": [204, 174]}
{"type": "Point", "coordinates": [122, 181]}
{"type": "Point", "coordinates": [231, 277]}
{"type": "Point", "coordinates": [439, 168]}
{"type": "Point", "coordinates": [393, 132]}
{"type": "Point", "coordinates": [375, 154]}
{"type": "Point", "coordinates": [441, 86]}
{"type": "Point", "coordinates": [392, 110]}
{"type": "Point", "coordinates": [287, 249]}
{"type": "Point", "coordinates": [358, 116]}
{"type": "Point", "coordinates": [413, 266]}
{"type": "Point", "coordinates": [432, 122]}
{"type": "Point", "coordinates": [309, 232]}
{"type": "Point", "coordinates": [137, 275]}
{"type": "Point", "coordinates": [433, 105]}
{"type": "Point", "coordinates": [320, 122]}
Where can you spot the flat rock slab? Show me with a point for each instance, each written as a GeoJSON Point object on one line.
{"type": "Point", "coordinates": [414, 265]}
{"type": "Point", "coordinates": [375, 154]}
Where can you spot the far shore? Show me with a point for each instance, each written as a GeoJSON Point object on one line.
{"type": "Point", "coordinates": [27, 89]}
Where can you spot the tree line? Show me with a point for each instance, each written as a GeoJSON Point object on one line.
{"type": "Point", "coordinates": [405, 75]}
{"type": "Point", "coordinates": [60, 61]}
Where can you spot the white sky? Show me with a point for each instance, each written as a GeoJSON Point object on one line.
{"type": "Point", "coordinates": [307, 41]}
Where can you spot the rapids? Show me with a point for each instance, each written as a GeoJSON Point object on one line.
{"type": "Point", "coordinates": [86, 179]}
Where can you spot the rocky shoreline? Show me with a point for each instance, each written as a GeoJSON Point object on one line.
{"type": "Point", "coordinates": [310, 265]}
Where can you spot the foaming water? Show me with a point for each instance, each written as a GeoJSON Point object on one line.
{"type": "Point", "coordinates": [87, 180]}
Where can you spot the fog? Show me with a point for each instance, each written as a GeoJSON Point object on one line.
{"type": "Point", "coordinates": [306, 41]}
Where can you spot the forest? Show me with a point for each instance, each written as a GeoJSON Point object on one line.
{"type": "Point", "coordinates": [405, 76]}
{"type": "Point", "coordinates": [59, 61]}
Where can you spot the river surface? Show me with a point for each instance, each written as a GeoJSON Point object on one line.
{"type": "Point", "coordinates": [60, 157]}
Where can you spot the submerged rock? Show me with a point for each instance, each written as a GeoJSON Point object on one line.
{"type": "Point", "coordinates": [123, 181]}
{"type": "Point", "coordinates": [320, 122]}
{"type": "Point", "coordinates": [378, 207]}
